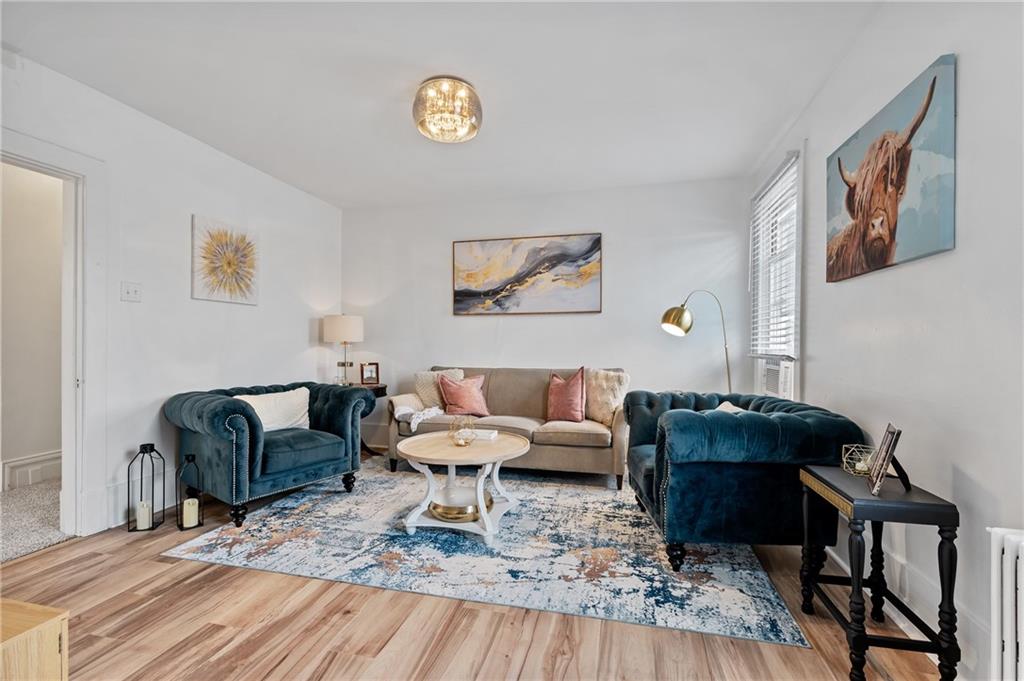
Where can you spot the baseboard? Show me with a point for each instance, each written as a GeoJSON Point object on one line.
{"type": "Point", "coordinates": [28, 470]}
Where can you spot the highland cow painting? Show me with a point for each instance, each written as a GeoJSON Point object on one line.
{"type": "Point", "coordinates": [531, 275]}
{"type": "Point", "coordinates": [891, 186]}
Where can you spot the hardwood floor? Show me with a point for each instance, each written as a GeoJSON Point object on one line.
{"type": "Point", "coordinates": [138, 615]}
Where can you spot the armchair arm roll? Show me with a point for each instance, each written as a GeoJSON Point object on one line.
{"type": "Point", "coordinates": [207, 413]}
{"type": "Point", "coordinates": [643, 408]}
{"type": "Point", "coordinates": [210, 418]}
{"type": "Point", "coordinates": [686, 436]}
{"type": "Point", "coordinates": [338, 409]}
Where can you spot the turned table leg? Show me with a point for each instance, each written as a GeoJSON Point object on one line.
{"type": "Point", "coordinates": [950, 654]}
{"type": "Point", "coordinates": [856, 634]}
{"type": "Point", "coordinates": [877, 577]}
{"type": "Point", "coordinates": [807, 575]}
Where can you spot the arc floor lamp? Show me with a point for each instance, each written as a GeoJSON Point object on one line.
{"type": "Point", "coordinates": [678, 321]}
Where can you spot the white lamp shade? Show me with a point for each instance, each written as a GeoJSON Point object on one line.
{"type": "Point", "coordinates": [343, 328]}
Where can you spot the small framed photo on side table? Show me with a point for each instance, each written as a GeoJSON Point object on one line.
{"type": "Point", "coordinates": [369, 373]}
{"type": "Point", "coordinates": [883, 457]}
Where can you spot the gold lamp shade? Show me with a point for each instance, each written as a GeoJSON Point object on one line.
{"type": "Point", "coordinates": [447, 109]}
{"type": "Point", "coordinates": [677, 320]}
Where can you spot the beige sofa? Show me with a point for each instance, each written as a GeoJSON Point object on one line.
{"type": "Point", "coordinates": [517, 400]}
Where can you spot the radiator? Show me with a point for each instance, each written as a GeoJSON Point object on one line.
{"type": "Point", "coordinates": [1007, 586]}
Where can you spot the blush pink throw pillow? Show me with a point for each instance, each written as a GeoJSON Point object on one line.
{"type": "Point", "coordinates": [463, 397]}
{"type": "Point", "coordinates": [566, 399]}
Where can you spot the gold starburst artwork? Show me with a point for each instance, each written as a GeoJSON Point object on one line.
{"type": "Point", "coordinates": [224, 262]}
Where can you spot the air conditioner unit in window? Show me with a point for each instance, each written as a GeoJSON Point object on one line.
{"type": "Point", "coordinates": [776, 377]}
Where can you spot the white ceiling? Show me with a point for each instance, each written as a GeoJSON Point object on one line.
{"type": "Point", "coordinates": [575, 96]}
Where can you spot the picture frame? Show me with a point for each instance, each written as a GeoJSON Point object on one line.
{"type": "Point", "coordinates": [883, 458]}
{"type": "Point", "coordinates": [544, 274]}
{"type": "Point", "coordinates": [901, 164]}
{"type": "Point", "coordinates": [369, 373]}
{"type": "Point", "coordinates": [226, 262]}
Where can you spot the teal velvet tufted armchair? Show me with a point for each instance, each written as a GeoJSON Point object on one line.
{"type": "Point", "coordinates": [241, 463]}
{"type": "Point", "coordinates": [707, 476]}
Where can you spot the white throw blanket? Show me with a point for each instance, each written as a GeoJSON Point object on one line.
{"type": "Point", "coordinates": [414, 418]}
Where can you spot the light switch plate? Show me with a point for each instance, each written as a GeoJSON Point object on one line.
{"type": "Point", "coordinates": [131, 292]}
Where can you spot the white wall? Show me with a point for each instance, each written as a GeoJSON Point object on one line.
{"type": "Point", "coordinates": [33, 215]}
{"type": "Point", "coordinates": [157, 177]}
{"type": "Point", "coordinates": [934, 345]}
{"type": "Point", "coordinates": [659, 242]}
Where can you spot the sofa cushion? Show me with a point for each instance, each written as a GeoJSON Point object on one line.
{"type": "Point", "coordinates": [292, 448]}
{"type": "Point", "coordinates": [519, 425]}
{"type": "Point", "coordinates": [574, 434]}
{"type": "Point", "coordinates": [427, 389]}
{"type": "Point", "coordinates": [606, 388]}
{"type": "Point", "coordinates": [566, 397]}
{"type": "Point", "coordinates": [431, 425]}
{"type": "Point", "coordinates": [465, 397]}
{"type": "Point", "coordinates": [640, 462]}
{"type": "Point", "coordinates": [280, 410]}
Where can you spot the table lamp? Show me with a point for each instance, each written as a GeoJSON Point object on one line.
{"type": "Point", "coordinates": [679, 320]}
{"type": "Point", "coordinates": [344, 329]}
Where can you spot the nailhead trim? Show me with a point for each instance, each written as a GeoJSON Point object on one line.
{"type": "Point", "coordinates": [234, 456]}
{"type": "Point", "coordinates": [664, 488]}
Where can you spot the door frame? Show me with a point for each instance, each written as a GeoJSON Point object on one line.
{"type": "Point", "coordinates": [83, 503]}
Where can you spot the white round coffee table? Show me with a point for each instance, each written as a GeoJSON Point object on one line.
{"type": "Point", "coordinates": [460, 507]}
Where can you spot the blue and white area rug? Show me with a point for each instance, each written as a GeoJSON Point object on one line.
{"type": "Point", "coordinates": [568, 547]}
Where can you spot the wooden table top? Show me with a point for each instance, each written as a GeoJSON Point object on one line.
{"type": "Point", "coordinates": [17, 617]}
{"type": "Point", "coordinates": [436, 448]}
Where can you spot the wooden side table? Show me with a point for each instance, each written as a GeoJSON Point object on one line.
{"type": "Point", "coordinates": [850, 495]}
{"type": "Point", "coordinates": [33, 642]}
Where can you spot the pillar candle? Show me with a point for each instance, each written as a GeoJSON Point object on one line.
{"type": "Point", "coordinates": [190, 513]}
{"type": "Point", "coordinates": [143, 516]}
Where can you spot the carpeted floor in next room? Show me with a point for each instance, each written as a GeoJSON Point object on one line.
{"type": "Point", "coordinates": [29, 519]}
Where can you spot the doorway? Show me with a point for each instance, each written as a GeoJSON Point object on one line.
{"type": "Point", "coordinates": [38, 215]}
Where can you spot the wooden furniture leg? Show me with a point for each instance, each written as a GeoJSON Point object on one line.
{"type": "Point", "coordinates": [856, 634]}
{"type": "Point", "coordinates": [950, 650]}
{"type": "Point", "coordinates": [806, 588]}
{"type": "Point", "coordinates": [877, 577]}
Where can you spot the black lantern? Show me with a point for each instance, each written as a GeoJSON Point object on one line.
{"type": "Point", "coordinates": [144, 512]}
{"type": "Point", "coordinates": [188, 494]}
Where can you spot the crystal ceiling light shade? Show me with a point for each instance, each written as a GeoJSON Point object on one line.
{"type": "Point", "coordinates": [447, 110]}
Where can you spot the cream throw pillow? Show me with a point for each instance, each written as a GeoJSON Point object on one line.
{"type": "Point", "coordinates": [605, 392]}
{"type": "Point", "coordinates": [425, 384]}
{"type": "Point", "coordinates": [278, 411]}
{"type": "Point", "coordinates": [729, 407]}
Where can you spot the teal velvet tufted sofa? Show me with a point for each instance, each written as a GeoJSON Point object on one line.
{"type": "Point", "coordinates": [241, 463]}
{"type": "Point", "coordinates": [707, 476]}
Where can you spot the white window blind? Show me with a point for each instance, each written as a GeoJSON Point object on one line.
{"type": "Point", "coordinates": [774, 264]}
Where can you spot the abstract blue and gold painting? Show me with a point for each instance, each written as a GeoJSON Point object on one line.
{"type": "Point", "coordinates": [530, 275]}
{"type": "Point", "coordinates": [891, 187]}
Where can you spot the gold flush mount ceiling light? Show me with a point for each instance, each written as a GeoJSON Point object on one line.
{"type": "Point", "coordinates": [447, 109]}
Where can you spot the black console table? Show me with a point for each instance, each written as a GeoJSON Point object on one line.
{"type": "Point", "coordinates": [850, 495]}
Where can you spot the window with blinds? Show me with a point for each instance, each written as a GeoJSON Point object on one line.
{"type": "Point", "coordinates": [775, 265]}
